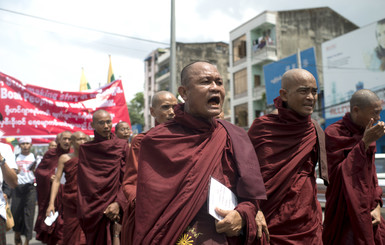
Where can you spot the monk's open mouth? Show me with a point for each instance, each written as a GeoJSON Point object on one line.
{"type": "Point", "coordinates": [215, 100]}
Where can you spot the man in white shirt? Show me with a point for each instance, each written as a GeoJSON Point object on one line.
{"type": "Point", "coordinates": [7, 163]}
{"type": "Point", "coordinates": [24, 195]}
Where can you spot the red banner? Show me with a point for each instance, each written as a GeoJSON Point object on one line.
{"type": "Point", "coordinates": [41, 113]}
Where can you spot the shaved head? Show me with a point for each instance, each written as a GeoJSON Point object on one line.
{"type": "Point", "coordinates": [184, 75]}
{"type": "Point", "coordinates": [290, 78]}
{"type": "Point", "coordinates": [160, 96]}
{"type": "Point", "coordinates": [299, 91]}
{"type": "Point", "coordinates": [162, 106]}
{"type": "Point", "coordinates": [365, 106]}
{"type": "Point", "coordinates": [98, 113]}
{"type": "Point", "coordinates": [363, 98]}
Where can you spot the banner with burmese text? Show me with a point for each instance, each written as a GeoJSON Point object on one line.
{"type": "Point", "coordinates": [42, 113]}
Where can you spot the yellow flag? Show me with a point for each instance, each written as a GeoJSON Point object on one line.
{"type": "Point", "coordinates": [111, 76]}
{"type": "Point", "coordinates": [84, 85]}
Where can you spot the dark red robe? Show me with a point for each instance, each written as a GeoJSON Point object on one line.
{"type": "Point", "coordinates": [286, 146]}
{"type": "Point", "coordinates": [129, 189]}
{"type": "Point", "coordinates": [48, 234]}
{"type": "Point", "coordinates": [72, 232]}
{"type": "Point", "coordinates": [353, 191]}
{"type": "Point", "coordinates": [176, 161]}
{"type": "Point", "coordinates": [100, 174]}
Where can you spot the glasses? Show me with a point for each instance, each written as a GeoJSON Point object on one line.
{"type": "Point", "coordinates": [102, 123]}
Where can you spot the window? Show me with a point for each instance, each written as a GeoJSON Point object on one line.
{"type": "Point", "coordinates": [257, 81]}
{"type": "Point", "coordinates": [239, 48]}
{"type": "Point", "coordinates": [240, 83]}
{"type": "Point", "coordinates": [241, 115]}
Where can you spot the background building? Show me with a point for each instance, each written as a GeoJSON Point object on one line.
{"type": "Point", "coordinates": [157, 71]}
{"type": "Point", "coordinates": [270, 37]}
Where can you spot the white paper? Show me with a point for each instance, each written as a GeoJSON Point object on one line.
{"type": "Point", "coordinates": [220, 197]}
{"type": "Point", "coordinates": [50, 219]}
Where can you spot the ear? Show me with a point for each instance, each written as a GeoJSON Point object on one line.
{"type": "Point", "coordinates": [183, 92]}
{"type": "Point", "coordinates": [93, 124]}
{"type": "Point", "coordinates": [355, 109]}
{"type": "Point", "coordinates": [283, 94]}
{"type": "Point", "coordinates": [152, 112]}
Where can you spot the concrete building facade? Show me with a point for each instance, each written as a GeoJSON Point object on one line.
{"type": "Point", "coordinates": [270, 37]}
{"type": "Point", "coordinates": [157, 70]}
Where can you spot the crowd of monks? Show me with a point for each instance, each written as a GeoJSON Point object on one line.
{"type": "Point", "coordinates": [154, 188]}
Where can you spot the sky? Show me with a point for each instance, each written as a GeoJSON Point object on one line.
{"type": "Point", "coordinates": [47, 43]}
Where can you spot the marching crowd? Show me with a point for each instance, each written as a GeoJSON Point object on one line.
{"type": "Point", "coordinates": [153, 188]}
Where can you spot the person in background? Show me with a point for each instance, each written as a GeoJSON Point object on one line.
{"type": "Point", "coordinates": [68, 164]}
{"type": "Point", "coordinates": [45, 174]}
{"type": "Point", "coordinates": [101, 167]}
{"type": "Point", "coordinates": [24, 195]}
{"type": "Point", "coordinates": [162, 109]}
{"type": "Point", "coordinates": [353, 197]}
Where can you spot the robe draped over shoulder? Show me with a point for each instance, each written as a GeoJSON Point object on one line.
{"type": "Point", "coordinates": [353, 191]}
{"type": "Point", "coordinates": [100, 174]}
{"type": "Point", "coordinates": [287, 149]}
{"type": "Point", "coordinates": [176, 161]}
{"type": "Point", "coordinates": [72, 232]}
{"type": "Point", "coordinates": [48, 234]}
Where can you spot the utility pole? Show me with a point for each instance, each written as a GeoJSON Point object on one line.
{"type": "Point", "coordinates": [172, 51]}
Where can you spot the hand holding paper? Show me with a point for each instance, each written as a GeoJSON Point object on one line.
{"type": "Point", "coordinates": [50, 219]}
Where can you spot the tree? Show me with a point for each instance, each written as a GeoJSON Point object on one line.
{"type": "Point", "coordinates": [135, 108]}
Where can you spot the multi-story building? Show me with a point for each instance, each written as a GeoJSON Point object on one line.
{"type": "Point", "coordinates": [269, 37]}
{"type": "Point", "coordinates": [157, 70]}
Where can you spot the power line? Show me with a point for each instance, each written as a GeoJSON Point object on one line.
{"type": "Point", "coordinates": [84, 28]}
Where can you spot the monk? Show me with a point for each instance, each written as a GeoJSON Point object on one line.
{"type": "Point", "coordinates": [101, 166]}
{"type": "Point", "coordinates": [123, 130]}
{"type": "Point", "coordinates": [176, 161]}
{"type": "Point", "coordinates": [68, 164]}
{"type": "Point", "coordinates": [45, 174]}
{"type": "Point", "coordinates": [353, 197]}
{"type": "Point", "coordinates": [162, 110]}
{"type": "Point", "coordinates": [287, 145]}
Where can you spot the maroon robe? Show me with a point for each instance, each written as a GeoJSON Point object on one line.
{"type": "Point", "coordinates": [176, 161]}
{"type": "Point", "coordinates": [72, 232]}
{"type": "Point", "coordinates": [286, 146]}
{"type": "Point", "coordinates": [48, 234]}
{"type": "Point", "coordinates": [129, 189]}
{"type": "Point", "coordinates": [100, 174]}
{"type": "Point", "coordinates": [353, 191]}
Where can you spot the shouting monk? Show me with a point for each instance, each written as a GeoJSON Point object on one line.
{"type": "Point", "coordinates": [176, 161]}
{"type": "Point", "coordinates": [353, 198]}
{"type": "Point", "coordinates": [287, 148]}
{"type": "Point", "coordinates": [100, 173]}
{"type": "Point", "coordinates": [45, 174]}
{"type": "Point", "coordinates": [162, 110]}
{"type": "Point", "coordinates": [68, 164]}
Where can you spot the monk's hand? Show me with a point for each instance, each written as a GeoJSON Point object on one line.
{"type": "Point", "coordinates": [50, 210]}
{"type": "Point", "coordinates": [262, 226]}
{"type": "Point", "coordinates": [53, 177]}
{"type": "Point", "coordinates": [112, 212]}
{"type": "Point", "coordinates": [373, 133]}
{"type": "Point", "coordinates": [231, 224]}
{"type": "Point", "coordinates": [376, 215]}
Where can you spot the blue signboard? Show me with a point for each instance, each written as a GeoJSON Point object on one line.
{"type": "Point", "coordinates": [273, 72]}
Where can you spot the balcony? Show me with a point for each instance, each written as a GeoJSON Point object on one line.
{"type": "Point", "coordinates": [266, 53]}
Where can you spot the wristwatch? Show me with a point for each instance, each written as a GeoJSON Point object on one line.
{"type": "Point", "coordinates": [2, 162]}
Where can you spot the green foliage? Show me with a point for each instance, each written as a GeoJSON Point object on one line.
{"type": "Point", "coordinates": [135, 108]}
